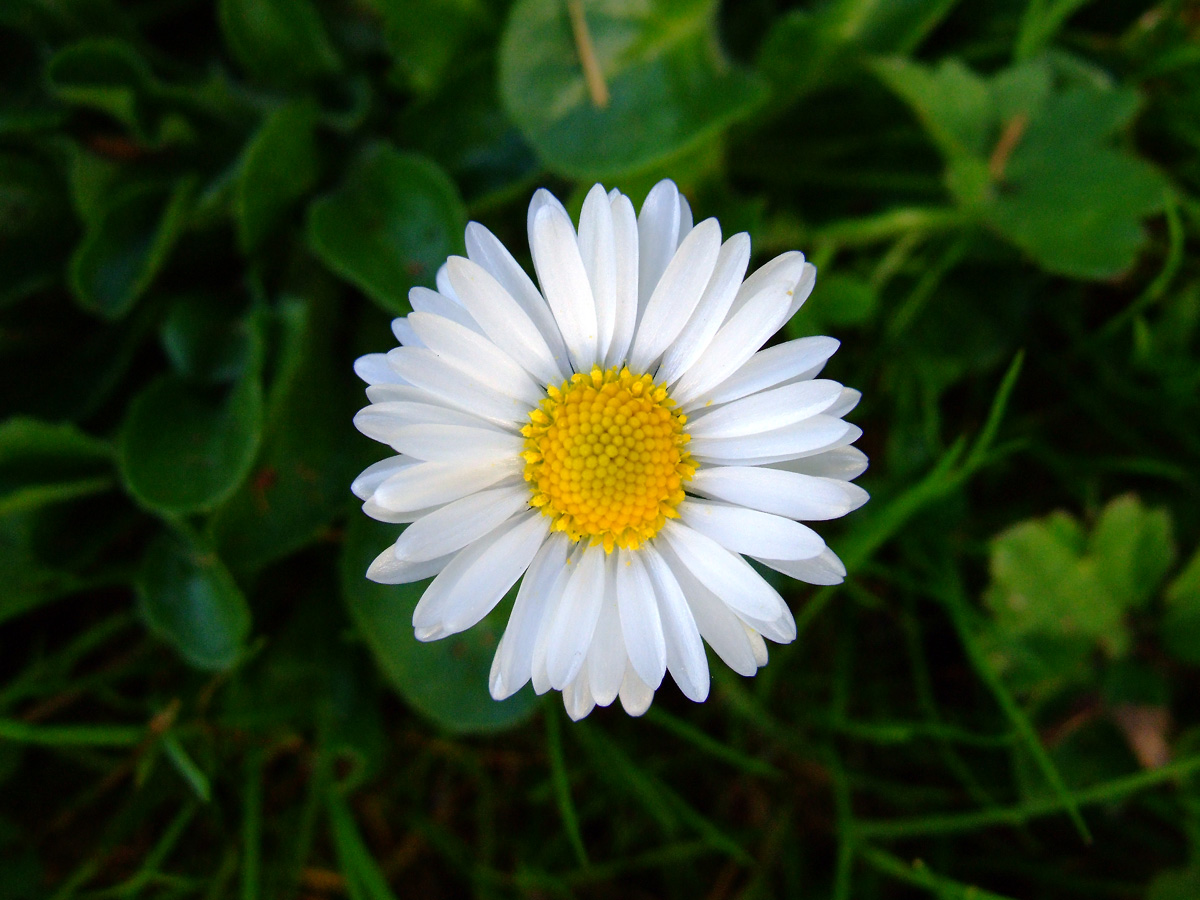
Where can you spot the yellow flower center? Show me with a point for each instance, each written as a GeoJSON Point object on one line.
{"type": "Point", "coordinates": [604, 457]}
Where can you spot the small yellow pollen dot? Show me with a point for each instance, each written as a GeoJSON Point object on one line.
{"type": "Point", "coordinates": [604, 458]}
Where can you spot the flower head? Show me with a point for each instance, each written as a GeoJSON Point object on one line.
{"type": "Point", "coordinates": [615, 440]}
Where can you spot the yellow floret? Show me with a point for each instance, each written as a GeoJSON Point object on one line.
{"type": "Point", "coordinates": [604, 458]}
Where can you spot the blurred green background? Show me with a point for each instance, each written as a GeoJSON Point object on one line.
{"type": "Point", "coordinates": [209, 209]}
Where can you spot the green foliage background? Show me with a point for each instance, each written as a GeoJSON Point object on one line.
{"type": "Point", "coordinates": [209, 209]}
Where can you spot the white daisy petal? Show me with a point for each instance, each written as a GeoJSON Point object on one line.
{"type": "Point", "coordinates": [454, 386]}
{"type": "Point", "coordinates": [823, 569]}
{"type": "Point", "coordinates": [380, 421]}
{"type": "Point", "coordinates": [710, 312]}
{"type": "Point", "coordinates": [658, 236]}
{"type": "Point", "coordinates": [461, 522]}
{"type": "Point", "coordinates": [537, 665]}
{"type": "Point", "coordinates": [597, 247]}
{"type": "Point", "coordinates": [577, 697]}
{"type": "Point", "coordinates": [625, 313]}
{"type": "Point", "coordinates": [788, 267]}
{"type": "Point", "coordinates": [374, 368]}
{"type": "Point", "coordinates": [724, 573]}
{"type": "Point", "coordinates": [724, 631]}
{"type": "Point", "coordinates": [802, 290]}
{"type": "Point", "coordinates": [445, 288]}
{"type": "Point", "coordinates": [685, 650]}
{"type": "Point", "coordinates": [512, 665]}
{"type": "Point", "coordinates": [640, 622]}
{"type": "Point", "coordinates": [768, 410]}
{"type": "Point", "coordinates": [751, 531]}
{"type": "Point", "coordinates": [845, 402]}
{"type": "Point", "coordinates": [422, 485]}
{"type": "Point", "coordinates": [809, 436]}
{"type": "Point", "coordinates": [843, 463]}
{"type": "Point", "coordinates": [735, 342]}
{"type": "Point", "coordinates": [783, 493]}
{"type": "Point", "coordinates": [606, 659]}
{"type": "Point", "coordinates": [502, 319]}
{"type": "Point", "coordinates": [676, 295]}
{"type": "Point", "coordinates": [636, 695]}
{"type": "Point", "coordinates": [405, 334]}
{"type": "Point", "coordinates": [794, 360]}
{"type": "Point", "coordinates": [574, 621]}
{"type": "Point", "coordinates": [473, 582]}
{"type": "Point", "coordinates": [386, 569]}
{"type": "Point", "coordinates": [565, 283]}
{"type": "Point", "coordinates": [485, 249]}
{"type": "Point", "coordinates": [472, 353]}
{"type": "Point", "coordinates": [685, 218]}
{"type": "Point", "coordinates": [455, 443]}
{"type": "Point", "coordinates": [377, 473]}
{"type": "Point", "coordinates": [424, 300]}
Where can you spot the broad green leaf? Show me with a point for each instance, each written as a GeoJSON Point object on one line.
{"type": "Point", "coordinates": [300, 480]}
{"type": "Point", "coordinates": [35, 225]}
{"type": "Point", "coordinates": [1175, 884]}
{"type": "Point", "coordinates": [185, 448]}
{"type": "Point", "coordinates": [668, 85]}
{"type": "Point", "coordinates": [425, 56]}
{"type": "Point", "coordinates": [446, 680]}
{"type": "Point", "coordinates": [1133, 549]}
{"type": "Point", "coordinates": [44, 463]}
{"type": "Point", "coordinates": [390, 225]}
{"type": "Point", "coordinates": [1041, 584]}
{"type": "Point", "coordinates": [279, 167]}
{"type": "Point", "coordinates": [127, 246]}
{"type": "Point", "coordinates": [1070, 201]}
{"type": "Point", "coordinates": [952, 102]}
{"type": "Point", "coordinates": [463, 127]}
{"type": "Point", "coordinates": [29, 580]}
{"type": "Point", "coordinates": [1181, 620]}
{"type": "Point", "coordinates": [280, 42]}
{"type": "Point", "coordinates": [189, 599]}
{"type": "Point", "coordinates": [1034, 161]}
{"type": "Point", "coordinates": [206, 338]}
{"type": "Point", "coordinates": [109, 76]}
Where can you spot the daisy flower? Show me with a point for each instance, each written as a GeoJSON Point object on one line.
{"type": "Point", "coordinates": [617, 442]}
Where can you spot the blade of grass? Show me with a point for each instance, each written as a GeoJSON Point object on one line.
{"type": "Point", "coordinates": [562, 785]}
{"type": "Point", "coordinates": [951, 823]}
{"type": "Point", "coordinates": [950, 592]}
{"type": "Point", "coordinates": [187, 767]}
{"type": "Point", "coordinates": [659, 800]}
{"type": "Point", "coordinates": [252, 824]}
{"type": "Point", "coordinates": [71, 735]}
{"type": "Point", "coordinates": [364, 880]}
{"type": "Point", "coordinates": [705, 744]}
{"type": "Point", "coordinates": [919, 875]}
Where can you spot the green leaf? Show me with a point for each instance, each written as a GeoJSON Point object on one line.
{"type": "Point", "coordinates": [303, 472]}
{"type": "Point", "coordinates": [1033, 160]}
{"type": "Point", "coordinates": [127, 246]}
{"type": "Point", "coordinates": [1133, 549]}
{"type": "Point", "coordinates": [952, 102]}
{"type": "Point", "coordinates": [446, 680]}
{"type": "Point", "coordinates": [1181, 621]}
{"type": "Point", "coordinates": [669, 88]}
{"type": "Point", "coordinates": [279, 167]}
{"type": "Point", "coordinates": [425, 56]}
{"type": "Point", "coordinates": [42, 463]}
{"type": "Point", "coordinates": [389, 226]}
{"type": "Point", "coordinates": [1042, 585]}
{"type": "Point", "coordinates": [206, 338]}
{"type": "Point", "coordinates": [109, 76]}
{"type": "Point", "coordinates": [1175, 884]}
{"type": "Point", "coordinates": [279, 42]}
{"type": "Point", "coordinates": [35, 225]}
{"type": "Point", "coordinates": [185, 448]}
{"type": "Point", "coordinates": [190, 600]}
{"type": "Point", "coordinates": [1071, 202]}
